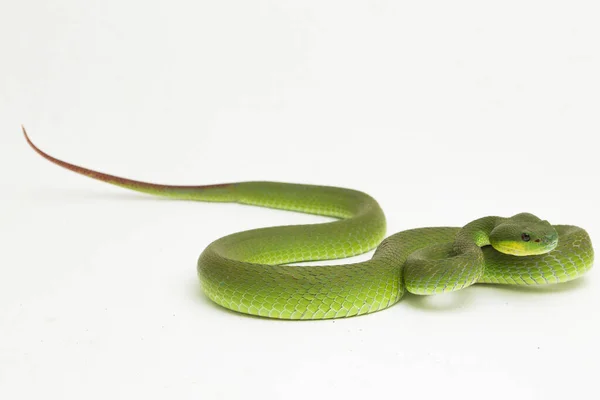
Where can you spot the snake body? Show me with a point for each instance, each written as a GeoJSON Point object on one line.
{"type": "Point", "coordinates": [250, 271]}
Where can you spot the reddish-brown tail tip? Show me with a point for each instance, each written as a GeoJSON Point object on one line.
{"type": "Point", "coordinates": [115, 180]}
{"type": "Point", "coordinates": [147, 187]}
{"type": "Point", "coordinates": [27, 138]}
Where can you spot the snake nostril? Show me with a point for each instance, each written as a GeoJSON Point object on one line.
{"type": "Point", "coordinates": [537, 240]}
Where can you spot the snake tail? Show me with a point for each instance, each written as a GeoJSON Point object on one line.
{"type": "Point", "coordinates": [219, 192]}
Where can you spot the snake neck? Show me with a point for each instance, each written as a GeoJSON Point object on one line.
{"type": "Point", "coordinates": [475, 234]}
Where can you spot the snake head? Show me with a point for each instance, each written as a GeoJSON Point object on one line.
{"type": "Point", "coordinates": [524, 235]}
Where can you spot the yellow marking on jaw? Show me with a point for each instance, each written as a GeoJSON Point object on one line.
{"type": "Point", "coordinates": [514, 247]}
{"type": "Point", "coordinates": [519, 248]}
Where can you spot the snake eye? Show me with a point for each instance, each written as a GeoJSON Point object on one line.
{"type": "Point", "coordinates": [525, 237]}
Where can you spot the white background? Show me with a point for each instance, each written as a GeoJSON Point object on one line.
{"type": "Point", "coordinates": [444, 111]}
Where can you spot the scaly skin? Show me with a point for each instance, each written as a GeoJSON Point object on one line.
{"type": "Point", "coordinates": [247, 271]}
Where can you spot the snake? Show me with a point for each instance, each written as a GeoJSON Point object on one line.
{"type": "Point", "coordinates": [255, 272]}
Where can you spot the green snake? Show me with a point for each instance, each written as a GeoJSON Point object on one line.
{"type": "Point", "coordinates": [250, 271]}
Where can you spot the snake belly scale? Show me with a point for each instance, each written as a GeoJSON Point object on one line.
{"type": "Point", "coordinates": [250, 271]}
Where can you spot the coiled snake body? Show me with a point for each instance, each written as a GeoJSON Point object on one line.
{"type": "Point", "coordinates": [249, 271]}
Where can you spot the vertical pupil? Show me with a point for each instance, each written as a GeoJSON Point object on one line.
{"type": "Point", "coordinates": [525, 237]}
